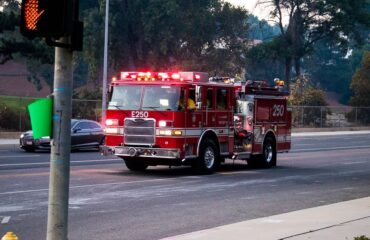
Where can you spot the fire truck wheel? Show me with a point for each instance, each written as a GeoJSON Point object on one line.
{"type": "Point", "coordinates": [134, 165]}
{"type": "Point", "coordinates": [208, 160]}
{"type": "Point", "coordinates": [269, 153]}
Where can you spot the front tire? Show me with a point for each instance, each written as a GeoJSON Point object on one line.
{"type": "Point", "coordinates": [208, 160]}
{"type": "Point", "coordinates": [135, 165]}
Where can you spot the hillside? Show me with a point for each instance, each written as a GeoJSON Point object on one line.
{"type": "Point", "coordinates": [13, 82]}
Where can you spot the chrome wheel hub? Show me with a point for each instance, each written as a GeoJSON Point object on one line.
{"type": "Point", "coordinates": [209, 157]}
{"type": "Point", "coordinates": [268, 153]}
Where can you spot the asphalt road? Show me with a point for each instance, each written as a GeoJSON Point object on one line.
{"type": "Point", "coordinates": [109, 202]}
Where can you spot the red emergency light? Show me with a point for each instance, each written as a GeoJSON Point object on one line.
{"type": "Point", "coordinates": [165, 76]}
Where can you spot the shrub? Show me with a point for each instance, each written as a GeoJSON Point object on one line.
{"type": "Point", "coordinates": [361, 238]}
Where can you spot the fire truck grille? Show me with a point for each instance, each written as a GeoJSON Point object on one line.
{"type": "Point", "coordinates": [139, 131]}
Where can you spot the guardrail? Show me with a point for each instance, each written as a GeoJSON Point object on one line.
{"type": "Point", "coordinates": [14, 114]}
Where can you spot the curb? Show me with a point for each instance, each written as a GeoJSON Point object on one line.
{"type": "Point", "coordinates": [343, 220]}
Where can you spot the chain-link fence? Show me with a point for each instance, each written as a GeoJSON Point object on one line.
{"type": "Point", "coordinates": [323, 116]}
{"type": "Point", "coordinates": [14, 114]}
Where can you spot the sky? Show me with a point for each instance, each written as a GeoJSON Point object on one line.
{"type": "Point", "coordinates": [261, 11]}
{"type": "Point", "coordinates": [250, 5]}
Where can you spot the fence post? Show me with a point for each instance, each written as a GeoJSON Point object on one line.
{"type": "Point", "coordinates": [321, 116]}
{"type": "Point", "coordinates": [356, 116]}
{"type": "Point", "coordinates": [20, 114]}
{"type": "Point", "coordinates": [302, 109]}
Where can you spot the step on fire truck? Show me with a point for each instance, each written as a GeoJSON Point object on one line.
{"type": "Point", "coordinates": [187, 118]}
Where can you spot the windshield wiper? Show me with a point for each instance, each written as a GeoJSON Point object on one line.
{"type": "Point", "coordinates": [155, 108]}
{"type": "Point", "coordinates": [116, 106]}
{"type": "Point", "coordinates": [152, 107]}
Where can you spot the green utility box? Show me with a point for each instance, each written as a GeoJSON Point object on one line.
{"type": "Point", "coordinates": [41, 112]}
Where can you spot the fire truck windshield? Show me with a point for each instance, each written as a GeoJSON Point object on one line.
{"type": "Point", "coordinates": [125, 98]}
{"type": "Point", "coordinates": [162, 98]}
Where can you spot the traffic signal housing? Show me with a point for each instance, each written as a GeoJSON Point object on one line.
{"type": "Point", "coordinates": [46, 18]}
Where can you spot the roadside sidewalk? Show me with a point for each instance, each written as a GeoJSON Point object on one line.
{"type": "Point", "coordinates": [332, 133]}
{"type": "Point", "coordinates": [339, 221]}
{"type": "Point", "coordinates": [9, 141]}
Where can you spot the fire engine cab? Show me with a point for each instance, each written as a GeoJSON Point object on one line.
{"type": "Point", "coordinates": [187, 118]}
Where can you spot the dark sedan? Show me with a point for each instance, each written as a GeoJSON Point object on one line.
{"type": "Point", "coordinates": [85, 134]}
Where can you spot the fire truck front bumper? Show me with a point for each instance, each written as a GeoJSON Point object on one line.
{"type": "Point", "coordinates": [141, 152]}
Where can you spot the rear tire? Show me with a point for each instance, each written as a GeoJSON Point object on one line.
{"type": "Point", "coordinates": [135, 165]}
{"type": "Point", "coordinates": [209, 159]}
{"type": "Point", "coordinates": [268, 157]}
{"type": "Point", "coordinates": [269, 153]}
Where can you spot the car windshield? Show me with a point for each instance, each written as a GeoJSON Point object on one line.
{"type": "Point", "coordinates": [73, 122]}
{"type": "Point", "coordinates": [163, 98]}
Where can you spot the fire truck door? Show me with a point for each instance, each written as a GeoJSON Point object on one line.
{"type": "Point", "coordinates": [194, 121]}
{"type": "Point", "coordinates": [209, 108]}
{"type": "Point", "coordinates": [222, 112]}
{"type": "Point", "coordinates": [193, 116]}
{"type": "Point", "coordinates": [223, 118]}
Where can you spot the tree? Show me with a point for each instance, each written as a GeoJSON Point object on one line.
{"type": "Point", "coordinates": [37, 56]}
{"type": "Point", "coordinates": [264, 61]}
{"type": "Point", "coordinates": [312, 20]}
{"type": "Point", "coordinates": [361, 84]}
{"type": "Point", "coordinates": [261, 29]}
{"type": "Point", "coordinates": [166, 35]}
{"type": "Point", "coordinates": [159, 35]}
{"type": "Point", "coordinates": [330, 68]}
{"type": "Point", "coordinates": [304, 94]}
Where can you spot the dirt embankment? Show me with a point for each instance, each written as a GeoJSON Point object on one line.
{"type": "Point", "coordinates": [13, 82]}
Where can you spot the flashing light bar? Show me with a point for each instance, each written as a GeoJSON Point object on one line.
{"type": "Point", "coordinates": [165, 76]}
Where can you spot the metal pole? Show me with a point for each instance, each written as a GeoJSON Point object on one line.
{"type": "Point", "coordinates": [57, 226]}
{"type": "Point", "coordinates": [105, 65]}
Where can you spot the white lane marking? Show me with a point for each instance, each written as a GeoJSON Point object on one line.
{"type": "Point", "coordinates": [303, 144]}
{"type": "Point", "coordinates": [90, 185]}
{"type": "Point", "coordinates": [303, 193]}
{"type": "Point", "coordinates": [249, 198]}
{"type": "Point", "coordinates": [20, 156]}
{"type": "Point", "coordinates": [353, 163]}
{"type": "Point", "coordinates": [330, 148]}
{"type": "Point", "coordinates": [5, 220]}
{"type": "Point", "coordinates": [47, 163]}
{"type": "Point", "coordinates": [218, 186]}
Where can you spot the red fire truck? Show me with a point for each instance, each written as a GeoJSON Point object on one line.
{"type": "Point", "coordinates": [187, 118]}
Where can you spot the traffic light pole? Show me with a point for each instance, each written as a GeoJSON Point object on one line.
{"type": "Point", "coordinates": [57, 226]}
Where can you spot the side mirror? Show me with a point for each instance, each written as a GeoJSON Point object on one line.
{"type": "Point", "coordinates": [198, 96]}
{"type": "Point", "coordinates": [76, 130]}
{"type": "Point", "coordinates": [199, 105]}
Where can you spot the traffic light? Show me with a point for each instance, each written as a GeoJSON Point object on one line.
{"type": "Point", "coordinates": [46, 18]}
